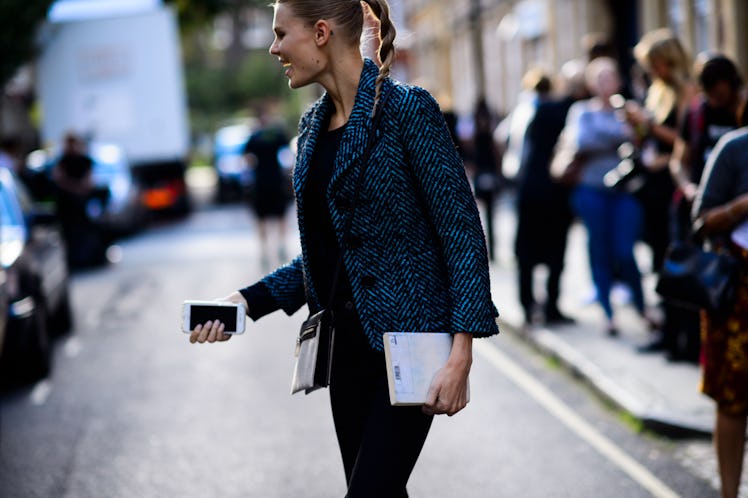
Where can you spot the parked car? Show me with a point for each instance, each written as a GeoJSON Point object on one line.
{"type": "Point", "coordinates": [32, 255]}
{"type": "Point", "coordinates": [4, 302]}
{"type": "Point", "coordinates": [122, 211]}
{"type": "Point", "coordinates": [117, 203]}
{"type": "Point", "coordinates": [235, 177]}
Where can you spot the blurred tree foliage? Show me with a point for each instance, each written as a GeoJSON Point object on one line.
{"type": "Point", "coordinates": [219, 93]}
{"type": "Point", "coordinates": [18, 23]}
{"type": "Point", "coordinates": [223, 84]}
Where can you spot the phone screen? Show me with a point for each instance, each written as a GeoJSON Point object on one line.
{"type": "Point", "coordinates": [201, 313]}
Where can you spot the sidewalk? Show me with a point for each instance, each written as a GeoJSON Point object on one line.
{"type": "Point", "coordinates": [662, 395]}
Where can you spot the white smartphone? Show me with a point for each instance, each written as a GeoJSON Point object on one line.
{"type": "Point", "coordinates": [232, 315]}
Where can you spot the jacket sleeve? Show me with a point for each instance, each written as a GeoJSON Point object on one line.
{"type": "Point", "coordinates": [286, 286]}
{"type": "Point", "coordinates": [448, 201]}
{"type": "Point", "coordinates": [718, 180]}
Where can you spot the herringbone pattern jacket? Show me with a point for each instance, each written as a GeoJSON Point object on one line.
{"type": "Point", "coordinates": [416, 257]}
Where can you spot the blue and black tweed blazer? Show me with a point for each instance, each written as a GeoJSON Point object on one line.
{"type": "Point", "coordinates": [420, 261]}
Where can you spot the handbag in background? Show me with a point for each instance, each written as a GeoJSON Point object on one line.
{"type": "Point", "coordinates": [630, 175]}
{"type": "Point", "coordinates": [697, 278]}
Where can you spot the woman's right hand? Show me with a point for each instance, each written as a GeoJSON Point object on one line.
{"type": "Point", "coordinates": [371, 39]}
{"type": "Point", "coordinates": [212, 331]}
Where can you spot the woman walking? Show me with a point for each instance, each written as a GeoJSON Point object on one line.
{"type": "Point", "coordinates": [414, 257]}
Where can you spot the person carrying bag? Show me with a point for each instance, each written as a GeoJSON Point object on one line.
{"type": "Point", "coordinates": [414, 257]}
{"type": "Point", "coordinates": [720, 212]}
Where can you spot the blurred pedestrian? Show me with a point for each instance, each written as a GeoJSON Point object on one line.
{"type": "Point", "coordinates": [662, 55]}
{"type": "Point", "coordinates": [597, 44]}
{"type": "Point", "coordinates": [72, 176]}
{"type": "Point", "coordinates": [510, 133]}
{"type": "Point", "coordinates": [594, 130]}
{"type": "Point", "coordinates": [721, 215]}
{"type": "Point", "coordinates": [271, 191]}
{"type": "Point", "coordinates": [450, 117]}
{"type": "Point", "coordinates": [543, 210]}
{"type": "Point", "coordinates": [414, 258]}
{"type": "Point", "coordinates": [10, 150]}
{"type": "Point", "coordinates": [719, 109]}
{"type": "Point", "coordinates": [670, 92]}
{"type": "Point", "coordinates": [484, 163]}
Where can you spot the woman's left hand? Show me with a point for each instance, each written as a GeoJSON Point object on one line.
{"type": "Point", "coordinates": [448, 393]}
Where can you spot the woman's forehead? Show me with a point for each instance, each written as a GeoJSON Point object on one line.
{"type": "Point", "coordinates": [283, 14]}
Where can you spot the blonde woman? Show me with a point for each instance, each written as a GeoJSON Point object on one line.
{"type": "Point", "coordinates": [662, 55]}
{"type": "Point", "coordinates": [414, 258]}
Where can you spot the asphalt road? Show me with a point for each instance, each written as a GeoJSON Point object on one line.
{"type": "Point", "coordinates": [133, 410]}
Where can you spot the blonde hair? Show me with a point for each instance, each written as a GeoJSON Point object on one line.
{"type": "Point", "coordinates": [664, 95]}
{"type": "Point", "coordinates": [536, 79]}
{"type": "Point", "coordinates": [348, 15]}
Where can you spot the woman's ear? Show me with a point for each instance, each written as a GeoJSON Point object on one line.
{"type": "Point", "coordinates": [322, 32]}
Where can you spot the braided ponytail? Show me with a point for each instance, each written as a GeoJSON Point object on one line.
{"type": "Point", "coordinates": [387, 49]}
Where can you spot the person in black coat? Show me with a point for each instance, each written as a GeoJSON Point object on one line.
{"type": "Point", "coordinates": [272, 185]}
{"type": "Point", "coordinates": [543, 210]}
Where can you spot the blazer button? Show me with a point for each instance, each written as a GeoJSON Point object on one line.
{"type": "Point", "coordinates": [349, 305]}
{"type": "Point", "coordinates": [368, 281]}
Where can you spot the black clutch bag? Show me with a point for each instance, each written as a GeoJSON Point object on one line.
{"type": "Point", "coordinates": [314, 346]}
{"type": "Point", "coordinates": [698, 278]}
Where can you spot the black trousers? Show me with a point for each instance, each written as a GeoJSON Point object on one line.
{"type": "Point", "coordinates": [379, 443]}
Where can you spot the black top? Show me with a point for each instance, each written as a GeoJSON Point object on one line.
{"type": "Point", "coordinates": [265, 144]}
{"type": "Point", "coordinates": [76, 166]}
{"type": "Point", "coordinates": [322, 243]}
{"type": "Point", "coordinates": [703, 127]}
{"type": "Point", "coordinates": [534, 180]}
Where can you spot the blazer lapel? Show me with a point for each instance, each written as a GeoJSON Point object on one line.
{"type": "Point", "coordinates": [306, 144]}
{"type": "Point", "coordinates": [356, 135]}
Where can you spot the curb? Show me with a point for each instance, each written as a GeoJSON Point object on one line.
{"type": "Point", "coordinates": [603, 385]}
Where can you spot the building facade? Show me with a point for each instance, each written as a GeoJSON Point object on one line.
{"type": "Point", "coordinates": [464, 49]}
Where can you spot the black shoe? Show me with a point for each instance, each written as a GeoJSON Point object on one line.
{"type": "Point", "coordinates": [612, 330]}
{"type": "Point", "coordinates": [558, 318]}
{"type": "Point", "coordinates": [656, 346]}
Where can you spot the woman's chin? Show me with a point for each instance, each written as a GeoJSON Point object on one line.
{"type": "Point", "coordinates": [296, 83]}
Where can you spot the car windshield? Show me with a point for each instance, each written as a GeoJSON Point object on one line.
{"type": "Point", "coordinates": [12, 224]}
{"type": "Point", "coordinates": [10, 210]}
{"type": "Point", "coordinates": [231, 139]}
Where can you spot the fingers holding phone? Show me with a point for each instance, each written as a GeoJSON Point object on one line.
{"type": "Point", "coordinates": [213, 321]}
{"type": "Point", "coordinates": [209, 332]}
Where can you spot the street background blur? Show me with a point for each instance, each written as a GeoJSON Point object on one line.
{"type": "Point", "coordinates": [102, 395]}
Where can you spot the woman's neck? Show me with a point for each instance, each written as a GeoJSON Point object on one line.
{"type": "Point", "coordinates": [602, 103]}
{"type": "Point", "coordinates": [341, 83]}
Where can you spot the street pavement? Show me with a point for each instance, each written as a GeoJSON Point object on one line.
{"type": "Point", "coordinates": [661, 394]}
{"type": "Point", "coordinates": [132, 409]}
